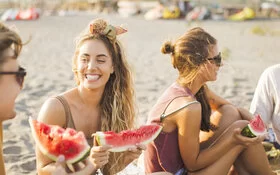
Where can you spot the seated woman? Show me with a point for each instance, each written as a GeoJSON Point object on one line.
{"type": "Point", "coordinates": [201, 131]}
{"type": "Point", "coordinates": [102, 101]}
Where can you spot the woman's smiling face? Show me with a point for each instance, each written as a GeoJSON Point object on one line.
{"type": "Point", "coordinates": [94, 64]}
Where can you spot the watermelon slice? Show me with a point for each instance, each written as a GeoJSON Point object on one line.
{"type": "Point", "coordinates": [125, 139]}
{"type": "Point", "coordinates": [255, 128]}
{"type": "Point", "coordinates": [53, 141]}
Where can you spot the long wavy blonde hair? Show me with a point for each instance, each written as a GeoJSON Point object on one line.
{"type": "Point", "coordinates": [117, 103]}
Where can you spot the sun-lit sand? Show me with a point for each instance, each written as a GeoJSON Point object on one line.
{"type": "Point", "coordinates": [48, 61]}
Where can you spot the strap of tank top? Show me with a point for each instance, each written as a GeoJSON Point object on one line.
{"type": "Point", "coordinates": [68, 114]}
{"type": "Point", "coordinates": [69, 118]}
{"type": "Point", "coordinates": [163, 115]}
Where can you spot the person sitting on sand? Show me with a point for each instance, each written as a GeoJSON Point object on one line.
{"type": "Point", "coordinates": [266, 99]}
{"type": "Point", "coordinates": [11, 78]}
{"type": "Point", "coordinates": [201, 131]}
{"type": "Point", "coordinates": [102, 101]}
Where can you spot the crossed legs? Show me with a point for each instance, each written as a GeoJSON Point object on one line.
{"type": "Point", "coordinates": [250, 160]}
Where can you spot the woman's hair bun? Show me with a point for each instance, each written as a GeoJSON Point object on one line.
{"type": "Point", "coordinates": [167, 48]}
{"type": "Point", "coordinates": [97, 26]}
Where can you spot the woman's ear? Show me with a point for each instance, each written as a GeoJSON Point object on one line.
{"type": "Point", "coordinates": [112, 70]}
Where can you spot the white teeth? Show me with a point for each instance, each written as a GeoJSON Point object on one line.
{"type": "Point", "coordinates": [92, 77]}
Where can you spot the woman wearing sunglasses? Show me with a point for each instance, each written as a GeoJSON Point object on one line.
{"type": "Point", "coordinates": [11, 78]}
{"type": "Point", "coordinates": [201, 131]}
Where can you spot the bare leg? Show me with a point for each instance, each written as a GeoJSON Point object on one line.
{"type": "Point", "coordinates": [253, 157]}
{"type": "Point", "coordinates": [222, 118]}
{"type": "Point", "coordinates": [251, 160]}
{"type": "Point", "coordinates": [223, 165]}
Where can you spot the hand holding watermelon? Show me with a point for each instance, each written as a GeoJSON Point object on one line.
{"type": "Point", "coordinates": [255, 128]}
{"type": "Point", "coordinates": [128, 139]}
{"type": "Point", "coordinates": [254, 132]}
{"type": "Point", "coordinates": [59, 167]}
{"type": "Point", "coordinates": [99, 155]}
{"type": "Point", "coordinates": [53, 141]}
{"type": "Point", "coordinates": [240, 139]}
{"type": "Point", "coordinates": [56, 142]}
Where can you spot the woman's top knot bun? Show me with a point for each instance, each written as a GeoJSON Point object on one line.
{"type": "Point", "coordinates": [167, 48]}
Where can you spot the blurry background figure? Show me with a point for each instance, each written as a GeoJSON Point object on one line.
{"type": "Point", "coordinates": [270, 9]}
{"type": "Point", "coordinates": [184, 6]}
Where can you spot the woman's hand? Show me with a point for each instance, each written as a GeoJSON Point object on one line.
{"type": "Point", "coordinates": [99, 156]}
{"type": "Point", "coordinates": [246, 141]}
{"type": "Point", "coordinates": [59, 167]}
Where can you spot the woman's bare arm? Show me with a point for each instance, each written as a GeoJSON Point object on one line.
{"type": "Point", "coordinates": [52, 112]}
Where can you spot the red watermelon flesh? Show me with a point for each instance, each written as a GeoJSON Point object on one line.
{"type": "Point", "coordinates": [128, 138]}
{"type": "Point", "coordinates": [255, 128]}
{"type": "Point", "coordinates": [257, 125]}
{"type": "Point", "coordinates": [53, 141]}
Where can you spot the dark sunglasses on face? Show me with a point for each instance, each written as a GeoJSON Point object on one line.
{"type": "Point", "coordinates": [217, 59]}
{"type": "Point", "coordinates": [20, 74]}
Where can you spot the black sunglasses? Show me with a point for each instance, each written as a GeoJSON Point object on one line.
{"type": "Point", "coordinates": [217, 59]}
{"type": "Point", "coordinates": [20, 74]}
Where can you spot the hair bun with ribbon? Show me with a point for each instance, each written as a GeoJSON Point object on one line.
{"type": "Point", "coordinates": [100, 27]}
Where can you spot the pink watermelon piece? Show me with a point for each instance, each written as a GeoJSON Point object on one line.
{"type": "Point", "coordinates": [54, 140]}
{"type": "Point", "coordinates": [128, 138]}
{"type": "Point", "coordinates": [255, 128]}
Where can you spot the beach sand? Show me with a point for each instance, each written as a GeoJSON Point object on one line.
{"type": "Point", "coordinates": [47, 59]}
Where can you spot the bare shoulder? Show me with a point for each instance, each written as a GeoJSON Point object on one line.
{"type": "Point", "coordinates": [190, 115]}
{"type": "Point", "coordinates": [179, 102]}
{"type": "Point", "coordinates": [52, 112]}
{"type": "Point", "coordinates": [182, 102]}
{"type": "Point", "coordinates": [179, 110]}
{"type": "Point", "coordinates": [184, 105]}
{"type": "Point", "coordinates": [190, 110]}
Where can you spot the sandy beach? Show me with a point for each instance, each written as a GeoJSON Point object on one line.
{"type": "Point", "coordinates": [48, 56]}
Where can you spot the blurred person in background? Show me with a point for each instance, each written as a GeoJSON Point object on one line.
{"type": "Point", "coordinates": [266, 101]}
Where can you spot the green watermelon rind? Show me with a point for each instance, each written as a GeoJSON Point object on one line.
{"type": "Point", "coordinates": [248, 131]}
{"type": "Point", "coordinates": [153, 137]}
{"type": "Point", "coordinates": [82, 155]}
{"type": "Point", "coordinates": [100, 138]}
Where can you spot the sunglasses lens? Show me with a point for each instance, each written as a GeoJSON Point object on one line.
{"type": "Point", "coordinates": [20, 78]}
{"type": "Point", "coordinates": [20, 74]}
{"type": "Point", "coordinates": [218, 60]}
